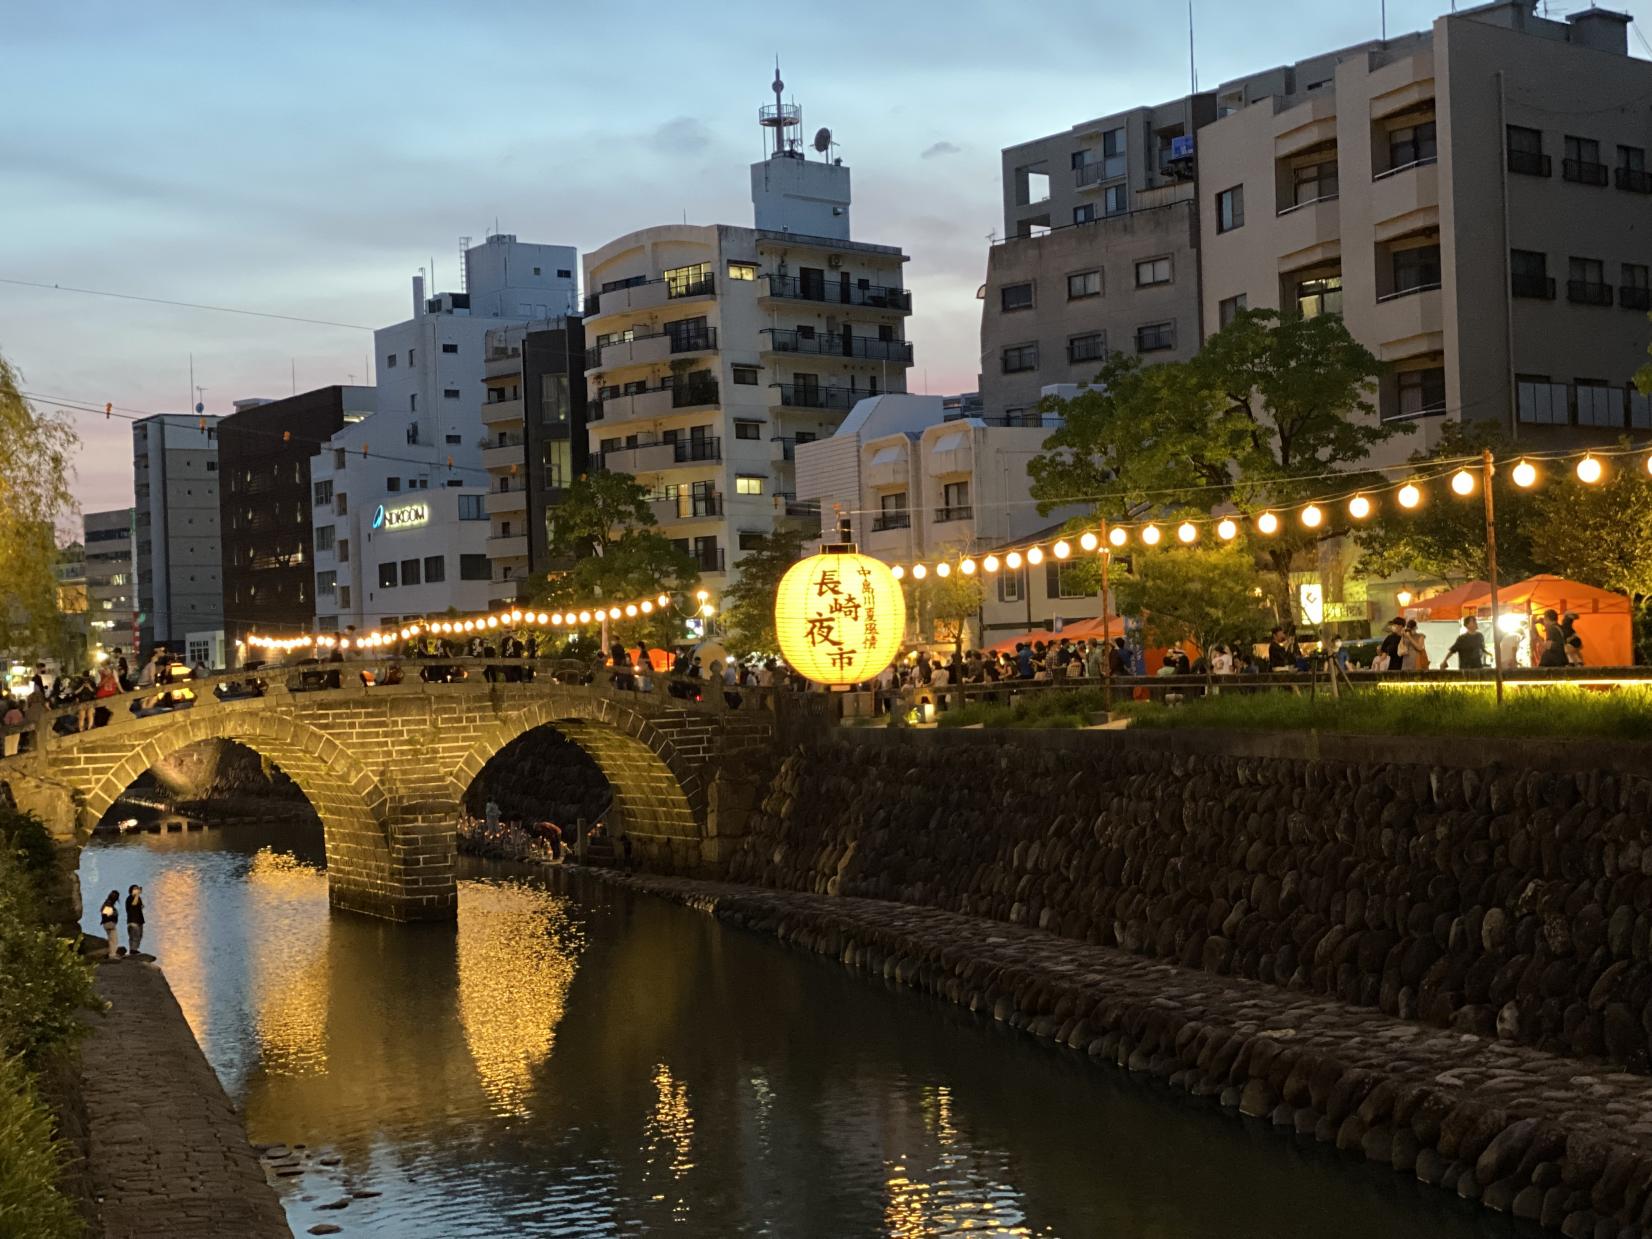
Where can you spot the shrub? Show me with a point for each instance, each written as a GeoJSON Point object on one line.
{"type": "Point", "coordinates": [26, 836]}
{"type": "Point", "coordinates": [46, 982]}
{"type": "Point", "coordinates": [30, 1157]}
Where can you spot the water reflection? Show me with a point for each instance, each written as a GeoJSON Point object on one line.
{"type": "Point", "coordinates": [579, 1061]}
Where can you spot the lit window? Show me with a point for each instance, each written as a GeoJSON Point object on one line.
{"type": "Point", "coordinates": [748, 484]}
{"type": "Point", "coordinates": [742, 271]}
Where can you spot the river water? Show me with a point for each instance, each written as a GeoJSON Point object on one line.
{"type": "Point", "coordinates": [578, 1060]}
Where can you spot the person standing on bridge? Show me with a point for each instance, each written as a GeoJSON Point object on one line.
{"type": "Point", "coordinates": [134, 919]}
{"type": "Point", "coordinates": [109, 918]}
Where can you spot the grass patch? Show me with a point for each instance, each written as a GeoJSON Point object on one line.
{"type": "Point", "coordinates": [1623, 713]}
{"type": "Point", "coordinates": [1045, 708]}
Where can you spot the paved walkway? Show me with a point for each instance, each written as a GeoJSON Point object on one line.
{"type": "Point", "coordinates": [169, 1155]}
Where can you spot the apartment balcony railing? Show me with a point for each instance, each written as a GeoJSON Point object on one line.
{"type": "Point", "coordinates": [885, 521]}
{"type": "Point", "coordinates": [688, 450]}
{"type": "Point", "coordinates": [690, 395]}
{"type": "Point", "coordinates": [1411, 290]}
{"type": "Point", "coordinates": [1405, 167]}
{"type": "Point", "coordinates": [784, 447]}
{"type": "Point", "coordinates": [505, 440]}
{"type": "Point", "coordinates": [652, 401]}
{"type": "Point", "coordinates": [1583, 171]}
{"type": "Point", "coordinates": [708, 560]}
{"type": "Point", "coordinates": [1530, 163]}
{"type": "Point", "coordinates": [631, 295]}
{"type": "Point", "coordinates": [1098, 171]}
{"type": "Point", "coordinates": [651, 454]}
{"type": "Point", "coordinates": [1631, 297]}
{"type": "Point", "coordinates": [803, 396]}
{"type": "Point", "coordinates": [1635, 180]}
{"type": "Point", "coordinates": [1538, 286]}
{"type": "Point", "coordinates": [835, 292]}
{"type": "Point", "coordinates": [1588, 292]}
{"type": "Point", "coordinates": [824, 344]}
{"type": "Point", "coordinates": [686, 507]}
{"type": "Point", "coordinates": [677, 341]}
{"type": "Point", "coordinates": [964, 513]}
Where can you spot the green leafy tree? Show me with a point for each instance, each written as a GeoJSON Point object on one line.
{"type": "Point", "coordinates": [748, 605]}
{"type": "Point", "coordinates": [598, 510]}
{"type": "Point", "coordinates": [943, 606]}
{"type": "Point", "coordinates": [35, 454]}
{"type": "Point", "coordinates": [1205, 595]}
{"type": "Point", "coordinates": [1600, 535]}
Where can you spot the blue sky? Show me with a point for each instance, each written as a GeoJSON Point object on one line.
{"type": "Point", "coordinates": [307, 158]}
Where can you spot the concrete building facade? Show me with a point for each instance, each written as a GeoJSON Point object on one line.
{"type": "Point", "coordinates": [111, 579]}
{"type": "Point", "coordinates": [180, 577]}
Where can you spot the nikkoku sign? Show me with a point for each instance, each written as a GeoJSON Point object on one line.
{"type": "Point", "coordinates": [402, 516]}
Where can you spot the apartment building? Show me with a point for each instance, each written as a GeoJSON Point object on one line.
{"type": "Point", "coordinates": [387, 547]}
{"type": "Point", "coordinates": [715, 350]}
{"type": "Point", "coordinates": [111, 580]}
{"type": "Point", "coordinates": [266, 506]}
{"type": "Point", "coordinates": [1473, 201]}
{"type": "Point", "coordinates": [534, 442]}
{"type": "Point", "coordinates": [180, 581]}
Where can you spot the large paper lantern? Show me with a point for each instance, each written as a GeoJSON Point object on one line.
{"type": "Point", "coordinates": [840, 616]}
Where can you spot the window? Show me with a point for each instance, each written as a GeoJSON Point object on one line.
{"type": "Point", "coordinates": [954, 503]}
{"type": "Point", "coordinates": [747, 430]}
{"type": "Point", "coordinates": [690, 281]}
{"type": "Point", "coordinates": [1420, 392]}
{"type": "Point", "coordinates": [536, 270]}
{"type": "Point", "coordinates": [1063, 580]}
{"type": "Point", "coordinates": [435, 569]}
{"type": "Point", "coordinates": [455, 438]}
{"type": "Point", "coordinates": [1012, 586]}
{"type": "Point", "coordinates": [563, 273]}
{"type": "Point", "coordinates": [1529, 273]}
{"type": "Point", "coordinates": [1632, 157]}
{"type": "Point", "coordinates": [1020, 358]}
{"type": "Point", "coordinates": [1634, 291]}
{"type": "Point", "coordinates": [344, 597]}
{"type": "Point", "coordinates": [1113, 151]}
{"type": "Point", "coordinates": [1084, 214]}
{"type": "Point", "coordinates": [324, 535]}
{"type": "Point", "coordinates": [1412, 144]}
{"type": "Point", "coordinates": [1319, 294]}
{"type": "Point", "coordinates": [1015, 297]}
{"type": "Point", "coordinates": [1540, 402]}
{"type": "Point", "coordinates": [1115, 200]}
{"type": "Point", "coordinates": [413, 432]}
{"type": "Point", "coordinates": [450, 393]}
{"type": "Point", "coordinates": [473, 567]}
{"type": "Point", "coordinates": [1229, 308]}
{"type": "Point", "coordinates": [390, 361]}
{"type": "Point", "coordinates": [410, 572]}
{"type": "Point", "coordinates": [341, 504]}
{"type": "Point", "coordinates": [392, 484]}
{"type": "Point", "coordinates": [387, 575]}
{"type": "Point", "coordinates": [1091, 346]}
{"type": "Point", "coordinates": [413, 402]}
{"type": "Point", "coordinates": [450, 348]}
{"type": "Point", "coordinates": [1314, 183]}
{"type": "Point", "coordinates": [688, 334]}
{"type": "Point", "coordinates": [1416, 269]}
{"type": "Point", "coordinates": [412, 355]}
{"type": "Point", "coordinates": [1526, 151]}
{"type": "Point", "coordinates": [1152, 271]}
{"type": "Point", "coordinates": [1230, 209]}
{"type": "Point", "coordinates": [470, 508]}
{"type": "Point", "coordinates": [1582, 161]}
{"type": "Point", "coordinates": [338, 458]}
{"type": "Point", "coordinates": [1152, 337]}
{"type": "Point", "coordinates": [748, 484]}
{"type": "Point", "coordinates": [745, 376]}
{"type": "Point", "coordinates": [1586, 282]}
{"type": "Point", "coordinates": [1631, 172]}
{"type": "Point", "coordinates": [1597, 403]}
{"type": "Point", "coordinates": [742, 271]}
{"type": "Point", "coordinates": [1083, 284]}
{"type": "Point", "coordinates": [344, 550]}
{"type": "Point", "coordinates": [323, 492]}
{"type": "Point", "coordinates": [325, 583]}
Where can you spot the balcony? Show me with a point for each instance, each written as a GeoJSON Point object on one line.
{"type": "Point", "coordinates": [502, 412]}
{"type": "Point", "coordinates": [1588, 292]}
{"type": "Point", "coordinates": [1631, 297]}
{"type": "Point", "coordinates": [653, 402]}
{"type": "Point", "coordinates": [1583, 171]}
{"type": "Point", "coordinates": [687, 507]}
{"type": "Point", "coordinates": [1540, 287]}
{"type": "Point", "coordinates": [512, 546]}
{"type": "Point", "coordinates": [496, 455]}
{"type": "Point", "coordinates": [1635, 180]}
{"type": "Point", "coordinates": [837, 292]}
{"type": "Point", "coordinates": [782, 448]}
{"type": "Point", "coordinates": [822, 344]}
{"type": "Point", "coordinates": [1404, 191]}
{"type": "Point", "coordinates": [648, 295]}
{"type": "Point", "coordinates": [945, 515]}
{"type": "Point", "coordinates": [505, 502]}
{"type": "Point", "coordinates": [1530, 163]}
{"type": "Point", "coordinates": [708, 560]}
{"type": "Point", "coordinates": [885, 521]}
{"type": "Point", "coordinates": [655, 455]}
{"type": "Point", "coordinates": [807, 396]}
{"type": "Point", "coordinates": [1094, 173]}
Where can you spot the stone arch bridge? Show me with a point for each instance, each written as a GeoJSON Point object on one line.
{"type": "Point", "coordinates": [387, 768]}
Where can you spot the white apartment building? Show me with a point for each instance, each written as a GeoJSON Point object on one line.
{"type": "Point", "coordinates": [398, 496]}
{"type": "Point", "coordinates": [714, 351]}
{"type": "Point", "coordinates": [175, 521]}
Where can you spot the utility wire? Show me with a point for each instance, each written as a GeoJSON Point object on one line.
{"type": "Point", "coordinates": [185, 305]}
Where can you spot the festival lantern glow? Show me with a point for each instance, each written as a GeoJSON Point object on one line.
{"type": "Point", "coordinates": [1061, 549]}
{"type": "Point", "coordinates": [990, 563]}
{"type": "Point", "coordinates": [1035, 556]}
{"type": "Point", "coordinates": [1462, 483]}
{"type": "Point", "coordinates": [1117, 535]}
{"type": "Point", "coordinates": [898, 572]}
{"type": "Point", "coordinates": [1088, 541]}
{"type": "Point", "coordinates": [647, 607]}
{"type": "Point", "coordinates": [1187, 533]}
{"type": "Point", "coordinates": [1590, 470]}
{"type": "Point", "coordinates": [967, 567]}
{"type": "Point", "coordinates": [943, 569]}
{"type": "Point", "coordinates": [1267, 523]}
{"type": "Point", "coordinates": [919, 572]}
{"type": "Point", "coordinates": [1012, 561]}
{"type": "Point", "coordinates": [1150, 535]}
{"type": "Point", "coordinates": [630, 610]}
{"type": "Point", "coordinates": [1226, 530]}
{"type": "Point", "coordinates": [1359, 507]}
{"type": "Point", "coordinates": [1403, 597]}
{"type": "Point", "coordinates": [1312, 517]}
{"type": "Point", "coordinates": [1409, 496]}
{"type": "Point", "coordinates": [840, 616]}
{"type": "Point", "coordinates": [1525, 474]}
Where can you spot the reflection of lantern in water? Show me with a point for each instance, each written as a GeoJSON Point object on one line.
{"type": "Point", "coordinates": [840, 616]}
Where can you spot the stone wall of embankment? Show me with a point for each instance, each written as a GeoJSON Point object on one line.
{"type": "Point", "coordinates": [1497, 888]}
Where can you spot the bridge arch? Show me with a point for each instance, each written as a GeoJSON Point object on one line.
{"type": "Point", "coordinates": [659, 794]}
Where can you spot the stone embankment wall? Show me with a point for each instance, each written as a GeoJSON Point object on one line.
{"type": "Point", "coordinates": [1503, 900]}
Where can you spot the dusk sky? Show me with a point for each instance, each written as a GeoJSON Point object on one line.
{"type": "Point", "coordinates": [306, 159]}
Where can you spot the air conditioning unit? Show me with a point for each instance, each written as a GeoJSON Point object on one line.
{"type": "Point", "coordinates": [834, 261]}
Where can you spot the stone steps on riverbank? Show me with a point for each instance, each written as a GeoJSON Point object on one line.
{"type": "Point", "coordinates": [1559, 1141]}
{"type": "Point", "coordinates": [168, 1156]}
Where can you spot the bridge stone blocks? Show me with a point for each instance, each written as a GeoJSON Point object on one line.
{"type": "Point", "coordinates": [387, 770]}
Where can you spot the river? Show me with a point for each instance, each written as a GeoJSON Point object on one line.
{"type": "Point", "coordinates": [578, 1060]}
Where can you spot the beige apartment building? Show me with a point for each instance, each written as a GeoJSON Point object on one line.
{"type": "Point", "coordinates": [1474, 201]}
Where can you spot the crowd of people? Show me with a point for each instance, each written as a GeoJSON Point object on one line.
{"type": "Point", "coordinates": [91, 693]}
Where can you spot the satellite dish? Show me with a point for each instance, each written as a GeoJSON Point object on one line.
{"type": "Point", "coordinates": [823, 139]}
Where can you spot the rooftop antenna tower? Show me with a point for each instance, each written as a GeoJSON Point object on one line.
{"type": "Point", "coordinates": [780, 117]}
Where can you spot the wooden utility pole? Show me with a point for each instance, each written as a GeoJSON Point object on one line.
{"type": "Point", "coordinates": [1106, 635]}
{"type": "Point", "coordinates": [1488, 469]}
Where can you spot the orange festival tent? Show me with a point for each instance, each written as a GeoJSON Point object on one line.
{"type": "Point", "coordinates": [1603, 617]}
{"type": "Point", "coordinates": [1449, 605]}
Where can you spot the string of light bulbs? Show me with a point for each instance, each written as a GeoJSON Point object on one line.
{"type": "Point", "coordinates": [579, 616]}
{"type": "Point", "coordinates": [1464, 480]}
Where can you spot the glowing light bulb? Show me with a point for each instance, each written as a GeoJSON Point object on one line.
{"type": "Point", "coordinates": [1462, 482]}
{"type": "Point", "coordinates": [1118, 535]}
{"type": "Point", "coordinates": [557, 619]}
{"type": "Point", "coordinates": [1226, 530]}
{"type": "Point", "coordinates": [898, 572]}
{"type": "Point", "coordinates": [1649, 464]}
{"type": "Point", "coordinates": [630, 610]}
{"type": "Point", "coordinates": [585, 617]}
{"type": "Point", "coordinates": [664, 600]}
{"type": "Point", "coordinates": [516, 617]}
{"type": "Point", "coordinates": [1267, 523]}
{"type": "Point", "coordinates": [701, 595]}
{"type": "Point", "coordinates": [990, 563]}
{"type": "Point", "coordinates": [1525, 474]}
{"type": "Point", "coordinates": [492, 622]}
{"type": "Point", "coordinates": [1088, 541]}
{"type": "Point", "coordinates": [1359, 507]}
{"type": "Point", "coordinates": [707, 610]}
{"type": "Point", "coordinates": [1012, 561]}
{"type": "Point", "coordinates": [1062, 549]}
{"type": "Point", "coordinates": [1151, 535]}
{"type": "Point", "coordinates": [613, 613]}
{"type": "Point", "coordinates": [967, 567]}
{"type": "Point", "coordinates": [1409, 496]}
{"type": "Point", "coordinates": [1187, 533]}
{"type": "Point", "coordinates": [1403, 597]}
{"type": "Point", "coordinates": [1035, 556]}
{"type": "Point", "coordinates": [1589, 471]}
{"type": "Point", "coordinates": [647, 607]}
{"type": "Point", "coordinates": [543, 618]}
{"type": "Point", "coordinates": [1312, 517]}
{"type": "Point", "coordinates": [919, 572]}
{"type": "Point", "coordinates": [943, 570]}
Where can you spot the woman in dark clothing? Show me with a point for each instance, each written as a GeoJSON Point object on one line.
{"type": "Point", "coordinates": [1391, 648]}
{"type": "Point", "coordinates": [109, 918]}
{"type": "Point", "coordinates": [134, 919]}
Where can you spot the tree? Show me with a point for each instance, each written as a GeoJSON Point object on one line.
{"type": "Point", "coordinates": [748, 605]}
{"type": "Point", "coordinates": [1600, 535]}
{"type": "Point", "coordinates": [943, 605]}
{"type": "Point", "coordinates": [35, 454]}
{"type": "Point", "coordinates": [1270, 409]}
{"type": "Point", "coordinates": [598, 510]}
{"type": "Point", "coordinates": [1446, 536]}
{"type": "Point", "coordinates": [1207, 595]}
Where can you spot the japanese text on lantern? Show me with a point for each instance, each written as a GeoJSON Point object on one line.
{"type": "Point", "coordinates": [842, 617]}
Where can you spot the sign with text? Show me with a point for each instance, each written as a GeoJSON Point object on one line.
{"type": "Point", "coordinates": [402, 516]}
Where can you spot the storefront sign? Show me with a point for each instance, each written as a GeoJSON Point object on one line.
{"type": "Point", "coordinates": [403, 516]}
